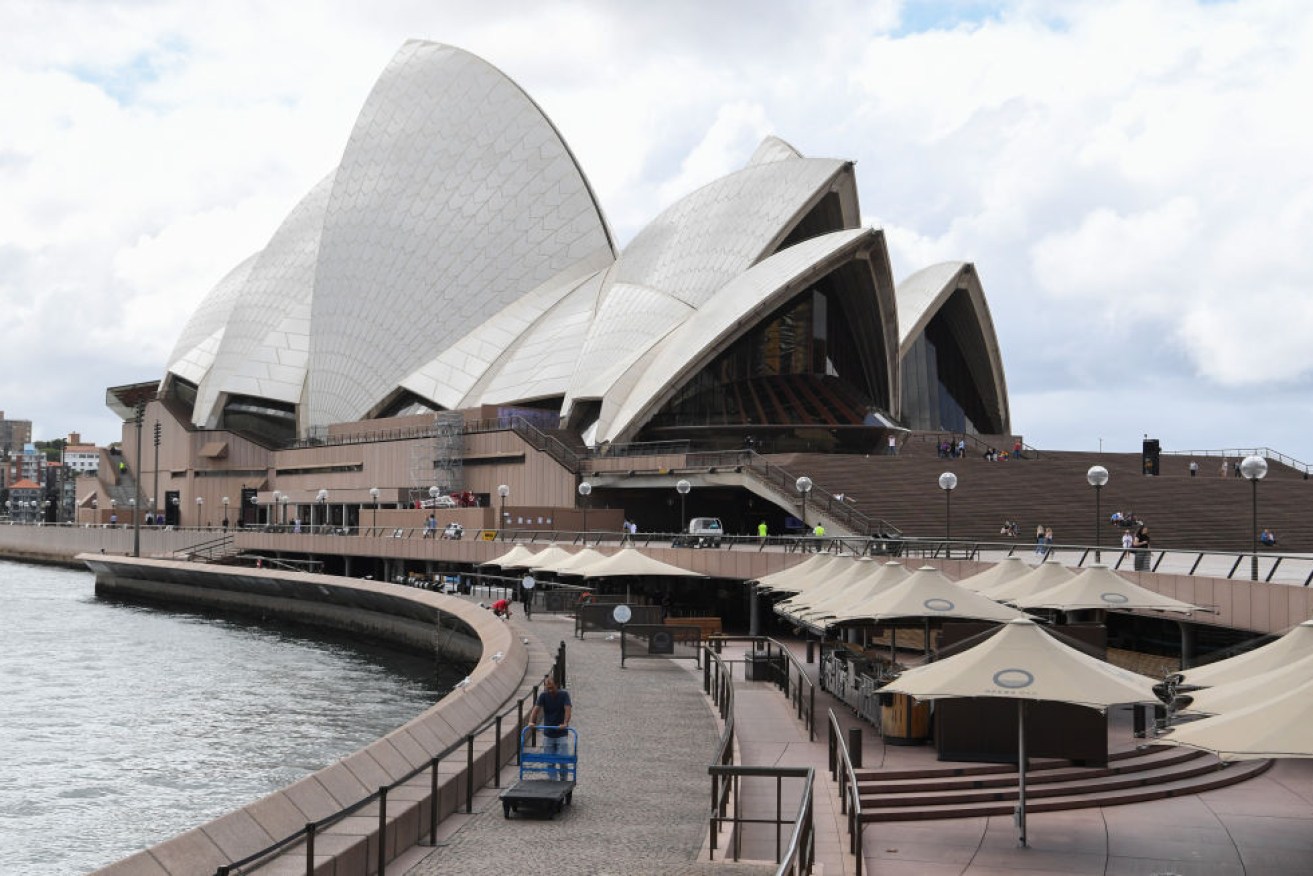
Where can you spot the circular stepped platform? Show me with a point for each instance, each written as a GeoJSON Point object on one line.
{"type": "Point", "coordinates": [1150, 773]}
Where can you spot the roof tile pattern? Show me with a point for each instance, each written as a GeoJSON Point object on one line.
{"type": "Point", "coordinates": [454, 197]}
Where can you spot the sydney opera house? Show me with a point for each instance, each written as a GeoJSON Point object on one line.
{"type": "Point", "coordinates": [457, 268]}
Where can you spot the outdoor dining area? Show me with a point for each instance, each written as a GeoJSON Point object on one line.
{"type": "Point", "coordinates": [1010, 664]}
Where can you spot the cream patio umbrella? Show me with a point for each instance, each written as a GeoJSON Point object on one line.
{"type": "Point", "coordinates": [1024, 662]}
{"type": "Point", "coordinates": [874, 585]}
{"type": "Point", "coordinates": [633, 562]}
{"type": "Point", "coordinates": [1294, 645]}
{"type": "Point", "coordinates": [844, 580]}
{"type": "Point", "coordinates": [996, 575]}
{"type": "Point", "coordinates": [788, 580]}
{"type": "Point", "coordinates": [1101, 587]}
{"type": "Point", "coordinates": [927, 593]}
{"type": "Point", "coordinates": [820, 583]}
{"type": "Point", "coordinates": [578, 561]}
{"type": "Point", "coordinates": [517, 557]}
{"type": "Point", "coordinates": [1244, 692]}
{"type": "Point", "coordinates": [548, 558]}
{"type": "Point", "coordinates": [1278, 727]}
{"type": "Point", "coordinates": [630, 562]}
{"type": "Point", "coordinates": [1041, 577]}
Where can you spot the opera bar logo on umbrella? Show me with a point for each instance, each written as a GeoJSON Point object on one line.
{"type": "Point", "coordinates": [939, 605]}
{"type": "Point", "coordinates": [1012, 679]}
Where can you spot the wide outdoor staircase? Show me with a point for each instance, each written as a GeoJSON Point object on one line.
{"type": "Point", "coordinates": [1206, 512]}
{"type": "Point", "coordinates": [1151, 773]}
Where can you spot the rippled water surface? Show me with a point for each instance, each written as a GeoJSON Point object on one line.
{"type": "Point", "coordinates": [121, 726]}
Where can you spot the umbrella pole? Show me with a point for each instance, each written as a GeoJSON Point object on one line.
{"type": "Point", "coordinates": [1021, 770]}
{"type": "Point", "coordinates": [927, 639]}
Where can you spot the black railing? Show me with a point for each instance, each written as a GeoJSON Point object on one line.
{"type": "Point", "coordinates": [209, 549]}
{"type": "Point", "coordinates": [772, 659]}
{"type": "Point", "coordinates": [718, 683]}
{"type": "Point", "coordinates": [800, 854]}
{"type": "Point", "coordinates": [850, 796]}
{"type": "Point", "coordinates": [312, 828]}
{"type": "Point", "coordinates": [820, 499]}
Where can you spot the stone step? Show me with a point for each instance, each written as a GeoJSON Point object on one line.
{"type": "Point", "coordinates": [1217, 776]}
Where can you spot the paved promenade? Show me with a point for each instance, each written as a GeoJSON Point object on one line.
{"type": "Point", "coordinates": [647, 733]}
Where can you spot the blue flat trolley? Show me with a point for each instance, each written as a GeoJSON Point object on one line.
{"type": "Point", "coordinates": [535, 790]}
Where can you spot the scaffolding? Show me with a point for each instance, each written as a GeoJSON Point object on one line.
{"type": "Point", "coordinates": [439, 461]}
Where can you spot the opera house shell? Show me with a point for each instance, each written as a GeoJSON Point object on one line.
{"type": "Point", "coordinates": [457, 258]}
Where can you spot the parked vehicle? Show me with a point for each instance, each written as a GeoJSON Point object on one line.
{"type": "Point", "coordinates": [703, 532]}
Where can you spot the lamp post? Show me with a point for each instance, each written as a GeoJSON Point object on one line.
{"type": "Point", "coordinates": [503, 491]}
{"type": "Point", "coordinates": [804, 486]}
{"type": "Point", "coordinates": [200, 506]}
{"type": "Point", "coordinates": [585, 490]}
{"type": "Point", "coordinates": [373, 494]}
{"type": "Point", "coordinates": [153, 510]}
{"type": "Point", "coordinates": [255, 503]}
{"type": "Point", "coordinates": [177, 512]}
{"type": "Point", "coordinates": [113, 512]}
{"type": "Point", "coordinates": [1254, 468]}
{"type": "Point", "coordinates": [136, 483]}
{"type": "Point", "coordinates": [948, 483]}
{"type": "Point", "coordinates": [1097, 477]}
{"type": "Point", "coordinates": [682, 488]}
{"type": "Point", "coordinates": [225, 513]}
{"type": "Point", "coordinates": [322, 498]}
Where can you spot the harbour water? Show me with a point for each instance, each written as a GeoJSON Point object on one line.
{"type": "Point", "coordinates": [122, 726]}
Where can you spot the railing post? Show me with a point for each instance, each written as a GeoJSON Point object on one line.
{"type": "Point", "coordinates": [310, 849]}
{"type": "Point", "coordinates": [811, 716]}
{"type": "Point", "coordinates": [496, 753]}
{"type": "Point", "coordinates": [469, 774]}
{"type": "Point", "coordinates": [433, 803]}
{"type": "Point", "coordinates": [382, 829]}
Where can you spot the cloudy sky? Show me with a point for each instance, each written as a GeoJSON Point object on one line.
{"type": "Point", "coordinates": [1133, 180]}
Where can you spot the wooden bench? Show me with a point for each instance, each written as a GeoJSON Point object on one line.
{"type": "Point", "coordinates": [708, 625]}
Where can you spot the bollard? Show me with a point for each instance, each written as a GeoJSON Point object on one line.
{"type": "Point", "coordinates": [811, 651]}
{"type": "Point", "coordinates": [855, 747]}
{"type": "Point", "coordinates": [382, 829]}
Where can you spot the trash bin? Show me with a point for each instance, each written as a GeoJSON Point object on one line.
{"type": "Point", "coordinates": [757, 667]}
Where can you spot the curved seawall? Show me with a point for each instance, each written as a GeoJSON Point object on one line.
{"type": "Point", "coordinates": [401, 616]}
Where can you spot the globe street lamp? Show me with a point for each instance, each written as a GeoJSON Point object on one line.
{"type": "Point", "coordinates": [948, 483]}
{"type": "Point", "coordinates": [255, 503]}
{"type": "Point", "coordinates": [585, 490]}
{"type": "Point", "coordinates": [1254, 468]}
{"type": "Point", "coordinates": [373, 494]}
{"type": "Point", "coordinates": [1097, 477]}
{"type": "Point", "coordinates": [682, 487]}
{"type": "Point", "coordinates": [503, 491]}
{"type": "Point", "coordinates": [200, 503]}
{"type": "Point", "coordinates": [322, 498]}
{"type": "Point", "coordinates": [804, 486]}
{"type": "Point", "coordinates": [225, 513]}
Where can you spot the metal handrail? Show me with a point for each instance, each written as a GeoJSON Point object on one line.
{"type": "Point", "coordinates": [1241, 452]}
{"type": "Point", "coordinates": [850, 797]}
{"type": "Point", "coordinates": [802, 694]}
{"type": "Point", "coordinates": [825, 501]}
{"type": "Point", "coordinates": [800, 855]}
{"type": "Point", "coordinates": [718, 683]}
{"type": "Point", "coordinates": [312, 828]}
